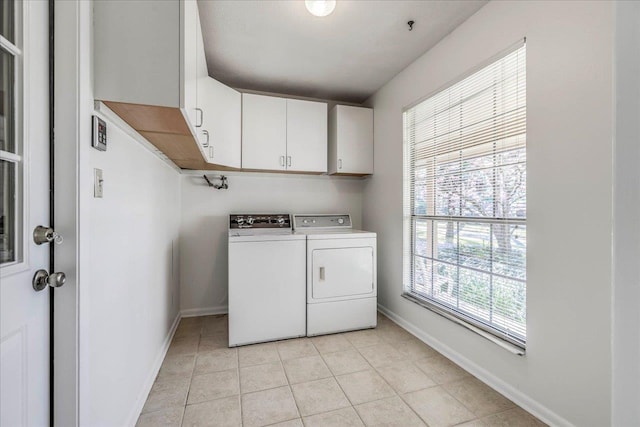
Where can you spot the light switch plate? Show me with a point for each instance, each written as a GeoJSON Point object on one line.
{"type": "Point", "coordinates": [98, 182]}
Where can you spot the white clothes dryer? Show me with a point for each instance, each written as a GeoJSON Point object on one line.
{"type": "Point", "coordinates": [341, 274]}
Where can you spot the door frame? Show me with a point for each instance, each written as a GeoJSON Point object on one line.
{"type": "Point", "coordinates": [72, 70]}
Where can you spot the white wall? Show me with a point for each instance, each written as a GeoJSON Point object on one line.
{"type": "Point", "coordinates": [205, 216]}
{"type": "Point", "coordinates": [127, 276]}
{"type": "Point", "coordinates": [133, 275]}
{"type": "Point", "coordinates": [626, 249]}
{"type": "Point", "coordinates": [565, 377]}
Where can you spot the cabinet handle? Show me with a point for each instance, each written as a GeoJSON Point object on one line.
{"type": "Point", "coordinates": [199, 110]}
{"type": "Point", "coordinates": [205, 133]}
{"type": "Point", "coordinates": [281, 160]}
{"type": "Point", "coordinates": [321, 273]}
{"type": "Point", "coordinates": [211, 152]}
{"type": "Point", "coordinates": [339, 163]}
{"type": "Point", "coordinates": [289, 161]}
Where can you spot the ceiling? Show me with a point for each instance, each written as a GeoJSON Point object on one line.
{"type": "Point", "coordinates": [277, 46]}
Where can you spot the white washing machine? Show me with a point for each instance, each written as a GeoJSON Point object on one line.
{"type": "Point", "coordinates": [341, 274]}
{"type": "Point", "coordinates": [267, 279]}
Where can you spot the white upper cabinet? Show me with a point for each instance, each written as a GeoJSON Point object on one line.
{"type": "Point", "coordinates": [283, 134]}
{"type": "Point", "coordinates": [146, 69]}
{"type": "Point", "coordinates": [146, 53]}
{"type": "Point", "coordinates": [306, 136]}
{"type": "Point", "coordinates": [264, 132]}
{"type": "Point", "coordinates": [222, 123]}
{"type": "Point", "coordinates": [351, 140]}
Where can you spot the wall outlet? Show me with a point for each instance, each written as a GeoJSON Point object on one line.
{"type": "Point", "coordinates": [98, 182]}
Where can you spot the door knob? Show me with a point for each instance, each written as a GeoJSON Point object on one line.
{"type": "Point", "coordinates": [42, 279]}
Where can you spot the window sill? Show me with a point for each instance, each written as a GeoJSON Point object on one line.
{"type": "Point", "coordinates": [512, 348]}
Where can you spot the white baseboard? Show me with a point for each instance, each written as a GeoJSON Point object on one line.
{"type": "Point", "coordinates": [153, 373]}
{"type": "Point", "coordinates": [516, 396]}
{"type": "Point", "coordinates": [207, 311]}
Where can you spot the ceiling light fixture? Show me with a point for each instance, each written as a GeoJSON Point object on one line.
{"type": "Point", "coordinates": [320, 7]}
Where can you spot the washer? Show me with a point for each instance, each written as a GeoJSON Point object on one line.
{"type": "Point", "coordinates": [267, 279]}
{"type": "Point", "coordinates": [341, 274]}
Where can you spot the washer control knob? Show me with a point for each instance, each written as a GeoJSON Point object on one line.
{"type": "Point", "coordinates": [240, 220]}
{"type": "Point", "coordinates": [305, 221]}
{"type": "Point", "coordinates": [280, 220]}
{"type": "Point", "coordinates": [340, 221]}
{"type": "Point", "coordinates": [250, 220]}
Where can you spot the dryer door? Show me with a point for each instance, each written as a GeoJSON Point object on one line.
{"type": "Point", "coordinates": [342, 272]}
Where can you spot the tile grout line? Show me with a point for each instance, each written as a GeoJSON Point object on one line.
{"type": "Point", "coordinates": [396, 394]}
{"type": "Point", "coordinates": [399, 395]}
{"type": "Point", "coordinates": [436, 385]}
{"type": "Point", "coordinates": [339, 385]}
{"type": "Point", "coordinates": [195, 360]}
{"type": "Point", "coordinates": [186, 401]}
{"type": "Point", "coordinates": [441, 385]}
{"type": "Point", "coordinates": [239, 389]}
{"type": "Point", "coordinates": [333, 376]}
{"type": "Point", "coordinates": [295, 402]}
{"type": "Point", "coordinates": [476, 417]}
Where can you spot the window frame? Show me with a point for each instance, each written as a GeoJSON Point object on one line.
{"type": "Point", "coordinates": [513, 344]}
{"type": "Point", "coordinates": [19, 155]}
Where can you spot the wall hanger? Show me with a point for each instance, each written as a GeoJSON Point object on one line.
{"type": "Point", "coordinates": [224, 184]}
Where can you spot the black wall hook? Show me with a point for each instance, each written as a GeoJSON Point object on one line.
{"type": "Point", "coordinates": [410, 24]}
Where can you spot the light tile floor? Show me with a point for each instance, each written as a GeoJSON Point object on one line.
{"type": "Point", "coordinates": [377, 377]}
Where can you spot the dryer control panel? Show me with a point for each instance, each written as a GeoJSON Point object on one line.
{"type": "Point", "coordinates": [323, 222]}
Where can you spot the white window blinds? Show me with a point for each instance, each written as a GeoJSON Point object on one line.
{"type": "Point", "coordinates": [465, 199]}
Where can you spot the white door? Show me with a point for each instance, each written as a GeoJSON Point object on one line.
{"type": "Point", "coordinates": [200, 73]}
{"type": "Point", "coordinates": [306, 136]}
{"type": "Point", "coordinates": [264, 132]}
{"type": "Point", "coordinates": [355, 140]}
{"type": "Point", "coordinates": [342, 272]}
{"type": "Point", "coordinates": [223, 121]}
{"type": "Point", "coordinates": [24, 201]}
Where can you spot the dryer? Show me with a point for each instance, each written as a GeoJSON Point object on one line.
{"type": "Point", "coordinates": [341, 274]}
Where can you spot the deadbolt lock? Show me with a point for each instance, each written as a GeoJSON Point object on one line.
{"type": "Point", "coordinates": [43, 234]}
{"type": "Point", "coordinates": [42, 279]}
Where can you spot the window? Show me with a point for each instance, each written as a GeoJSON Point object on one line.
{"type": "Point", "coordinates": [465, 199]}
{"type": "Point", "coordinates": [10, 158]}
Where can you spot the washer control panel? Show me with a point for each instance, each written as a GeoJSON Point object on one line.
{"type": "Point", "coordinates": [261, 221]}
{"type": "Point", "coordinates": [324, 222]}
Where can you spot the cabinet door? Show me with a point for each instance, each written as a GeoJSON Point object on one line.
{"type": "Point", "coordinates": [264, 132]}
{"type": "Point", "coordinates": [306, 136]}
{"type": "Point", "coordinates": [189, 66]}
{"type": "Point", "coordinates": [222, 108]}
{"type": "Point", "coordinates": [138, 51]}
{"type": "Point", "coordinates": [202, 72]}
{"type": "Point", "coordinates": [354, 137]}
